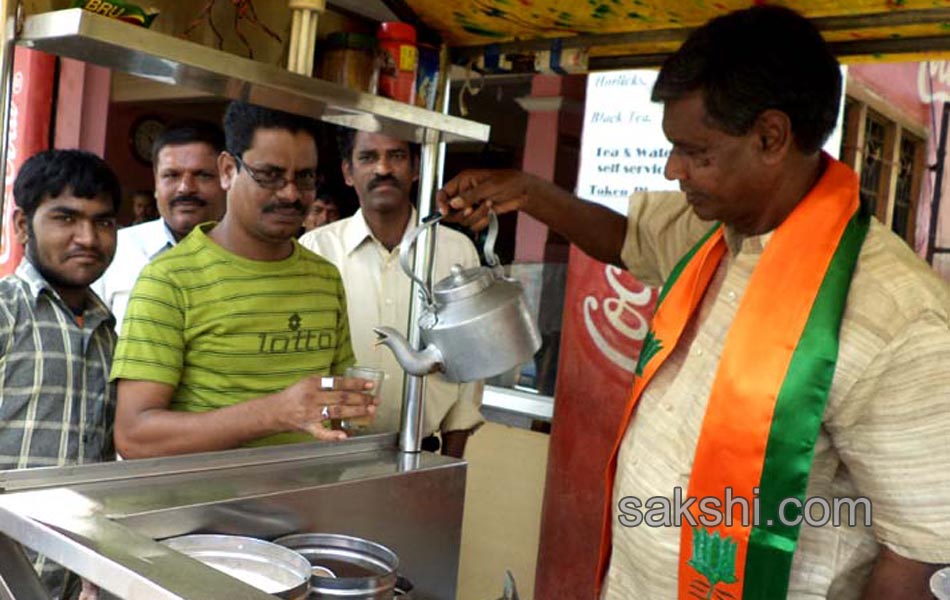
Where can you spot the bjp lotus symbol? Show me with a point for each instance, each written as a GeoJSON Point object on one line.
{"type": "Point", "coordinates": [714, 558]}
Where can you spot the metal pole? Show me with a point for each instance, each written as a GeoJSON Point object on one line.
{"type": "Point", "coordinates": [410, 432]}
{"type": "Point", "coordinates": [431, 170]}
{"type": "Point", "coordinates": [408, 462]}
{"type": "Point", "coordinates": [445, 99]}
{"type": "Point", "coordinates": [938, 184]}
{"type": "Point", "coordinates": [17, 577]}
{"type": "Point", "coordinates": [8, 14]}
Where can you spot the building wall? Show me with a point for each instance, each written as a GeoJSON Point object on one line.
{"type": "Point", "coordinates": [897, 84]}
{"type": "Point", "coordinates": [917, 91]}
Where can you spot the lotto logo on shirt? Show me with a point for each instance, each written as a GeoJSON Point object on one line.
{"type": "Point", "coordinates": [297, 339]}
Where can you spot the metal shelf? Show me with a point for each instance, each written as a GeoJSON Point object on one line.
{"type": "Point", "coordinates": [79, 34]}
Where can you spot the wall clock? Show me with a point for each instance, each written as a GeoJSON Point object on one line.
{"type": "Point", "coordinates": [142, 135]}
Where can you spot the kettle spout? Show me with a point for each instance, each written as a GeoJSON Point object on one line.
{"type": "Point", "coordinates": [415, 362]}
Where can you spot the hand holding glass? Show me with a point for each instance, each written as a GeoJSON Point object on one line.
{"type": "Point", "coordinates": [358, 424]}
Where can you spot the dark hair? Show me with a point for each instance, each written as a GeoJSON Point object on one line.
{"type": "Point", "coordinates": [752, 60]}
{"type": "Point", "coordinates": [179, 133]}
{"type": "Point", "coordinates": [49, 173]}
{"type": "Point", "coordinates": [346, 139]}
{"type": "Point", "coordinates": [242, 119]}
{"type": "Point", "coordinates": [324, 194]}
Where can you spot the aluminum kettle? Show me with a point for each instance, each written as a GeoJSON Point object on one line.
{"type": "Point", "coordinates": [475, 324]}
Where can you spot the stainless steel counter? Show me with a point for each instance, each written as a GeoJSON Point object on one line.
{"type": "Point", "coordinates": [101, 521]}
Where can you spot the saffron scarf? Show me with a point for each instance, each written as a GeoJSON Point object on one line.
{"type": "Point", "coordinates": [770, 389]}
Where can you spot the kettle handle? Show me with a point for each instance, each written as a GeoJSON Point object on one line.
{"type": "Point", "coordinates": [405, 251]}
{"type": "Point", "coordinates": [488, 249]}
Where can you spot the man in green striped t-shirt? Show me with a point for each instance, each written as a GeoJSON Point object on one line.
{"type": "Point", "coordinates": [229, 337]}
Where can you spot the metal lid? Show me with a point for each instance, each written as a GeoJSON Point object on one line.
{"type": "Point", "coordinates": [268, 567]}
{"type": "Point", "coordinates": [343, 564]}
{"type": "Point", "coordinates": [396, 31]}
{"type": "Point", "coordinates": [940, 584]}
{"type": "Point", "coordinates": [462, 283]}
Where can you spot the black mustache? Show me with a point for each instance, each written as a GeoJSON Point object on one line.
{"type": "Point", "coordinates": [273, 206]}
{"type": "Point", "coordinates": [190, 198]}
{"type": "Point", "coordinates": [86, 252]}
{"type": "Point", "coordinates": [377, 181]}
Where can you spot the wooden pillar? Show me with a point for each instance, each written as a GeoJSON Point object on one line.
{"type": "Point", "coordinates": [552, 149]}
{"type": "Point", "coordinates": [82, 106]}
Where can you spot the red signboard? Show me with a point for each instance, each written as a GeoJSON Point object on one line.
{"type": "Point", "coordinates": [31, 106]}
{"type": "Point", "coordinates": [606, 316]}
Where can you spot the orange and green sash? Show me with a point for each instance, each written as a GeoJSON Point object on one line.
{"type": "Point", "coordinates": [769, 393]}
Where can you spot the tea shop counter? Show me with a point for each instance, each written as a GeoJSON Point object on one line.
{"type": "Point", "coordinates": [102, 521]}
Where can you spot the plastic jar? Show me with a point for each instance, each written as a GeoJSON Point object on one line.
{"type": "Point", "coordinates": [399, 61]}
{"type": "Point", "coordinates": [350, 59]}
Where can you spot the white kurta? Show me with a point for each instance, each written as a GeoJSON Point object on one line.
{"type": "Point", "coordinates": [883, 431]}
{"type": "Point", "coordinates": [136, 246]}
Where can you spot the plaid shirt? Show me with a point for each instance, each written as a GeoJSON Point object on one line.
{"type": "Point", "coordinates": [57, 406]}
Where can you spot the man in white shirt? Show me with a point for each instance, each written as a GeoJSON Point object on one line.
{"type": "Point", "coordinates": [188, 192]}
{"type": "Point", "coordinates": [365, 249]}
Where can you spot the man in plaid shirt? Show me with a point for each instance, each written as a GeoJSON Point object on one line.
{"type": "Point", "coordinates": [56, 337]}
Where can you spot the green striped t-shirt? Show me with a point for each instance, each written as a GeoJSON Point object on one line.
{"type": "Point", "coordinates": [224, 329]}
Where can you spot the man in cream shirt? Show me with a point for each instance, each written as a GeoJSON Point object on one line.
{"type": "Point", "coordinates": [188, 192]}
{"type": "Point", "coordinates": [365, 249]}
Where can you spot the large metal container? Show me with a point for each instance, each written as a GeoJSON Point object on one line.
{"type": "Point", "coordinates": [269, 567]}
{"type": "Point", "coordinates": [344, 566]}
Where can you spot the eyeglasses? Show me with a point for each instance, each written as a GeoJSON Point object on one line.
{"type": "Point", "coordinates": [305, 181]}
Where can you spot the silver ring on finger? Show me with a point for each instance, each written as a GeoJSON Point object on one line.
{"type": "Point", "coordinates": [325, 412]}
{"type": "Point", "coordinates": [326, 383]}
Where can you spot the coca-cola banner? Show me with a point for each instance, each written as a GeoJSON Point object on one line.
{"type": "Point", "coordinates": [31, 105]}
{"type": "Point", "coordinates": [606, 316]}
{"type": "Point", "coordinates": [606, 313]}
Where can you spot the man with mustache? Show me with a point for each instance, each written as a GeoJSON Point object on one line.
{"type": "Point", "coordinates": [187, 190]}
{"type": "Point", "coordinates": [365, 248]}
{"type": "Point", "coordinates": [56, 403]}
{"type": "Point", "coordinates": [232, 337]}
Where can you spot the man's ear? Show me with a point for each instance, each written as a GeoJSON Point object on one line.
{"type": "Point", "coordinates": [346, 167]}
{"type": "Point", "coordinates": [21, 225]}
{"type": "Point", "coordinates": [774, 136]}
{"type": "Point", "coordinates": [415, 167]}
{"type": "Point", "coordinates": [227, 170]}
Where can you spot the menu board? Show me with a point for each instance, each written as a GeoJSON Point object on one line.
{"type": "Point", "coordinates": [623, 149]}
